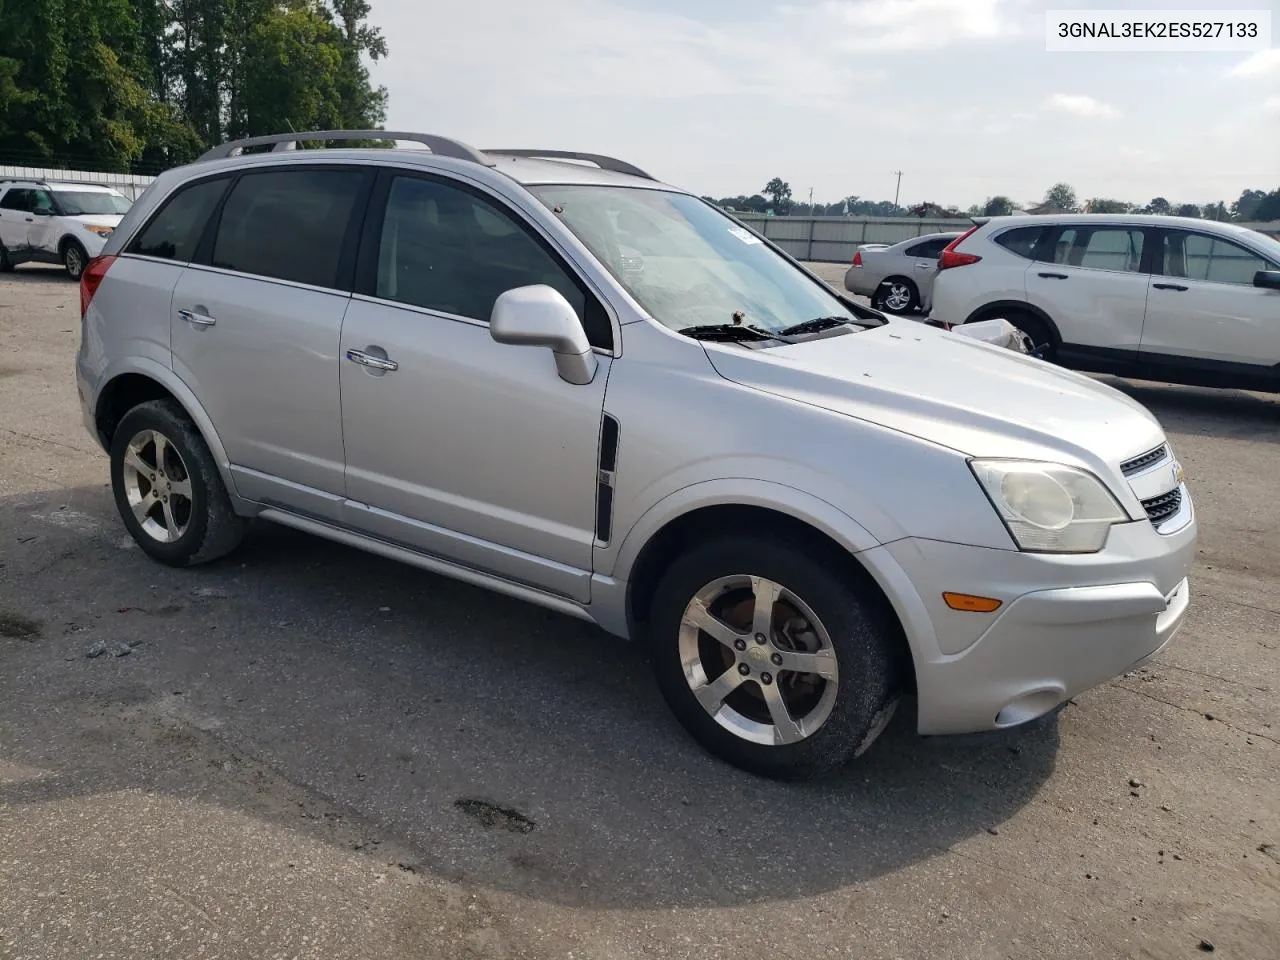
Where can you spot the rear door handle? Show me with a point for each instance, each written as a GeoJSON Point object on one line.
{"type": "Point", "coordinates": [1169, 286]}
{"type": "Point", "coordinates": [199, 319]}
{"type": "Point", "coordinates": [1054, 276]}
{"type": "Point", "coordinates": [369, 360]}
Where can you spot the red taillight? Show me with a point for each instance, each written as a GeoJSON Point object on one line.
{"type": "Point", "coordinates": [950, 258]}
{"type": "Point", "coordinates": [857, 258]}
{"type": "Point", "coordinates": [91, 279]}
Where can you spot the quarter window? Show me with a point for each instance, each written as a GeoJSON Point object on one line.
{"type": "Point", "coordinates": [1100, 248]}
{"type": "Point", "coordinates": [174, 232]}
{"type": "Point", "coordinates": [16, 200]}
{"type": "Point", "coordinates": [1021, 241]}
{"type": "Point", "coordinates": [447, 249]}
{"type": "Point", "coordinates": [288, 224]}
{"type": "Point", "coordinates": [931, 249]}
{"type": "Point", "coordinates": [1194, 256]}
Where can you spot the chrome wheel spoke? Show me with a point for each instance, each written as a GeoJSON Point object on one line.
{"type": "Point", "coordinates": [697, 615]}
{"type": "Point", "coordinates": [180, 488]}
{"type": "Point", "coordinates": [142, 508]}
{"type": "Point", "coordinates": [162, 445]}
{"type": "Point", "coordinates": [170, 523]}
{"type": "Point", "coordinates": [766, 592]}
{"type": "Point", "coordinates": [133, 460]}
{"type": "Point", "coordinates": [786, 729]}
{"type": "Point", "coordinates": [821, 662]}
{"type": "Point", "coordinates": [712, 695]}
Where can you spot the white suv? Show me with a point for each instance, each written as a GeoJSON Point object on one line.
{"type": "Point", "coordinates": [1160, 298]}
{"type": "Point", "coordinates": [576, 385]}
{"type": "Point", "coordinates": [45, 221]}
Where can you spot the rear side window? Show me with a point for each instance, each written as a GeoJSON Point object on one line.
{"type": "Point", "coordinates": [174, 232]}
{"type": "Point", "coordinates": [1023, 241]}
{"type": "Point", "coordinates": [447, 249]}
{"type": "Point", "coordinates": [932, 249]}
{"type": "Point", "coordinates": [17, 199]}
{"type": "Point", "coordinates": [1100, 248]}
{"type": "Point", "coordinates": [288, 224]}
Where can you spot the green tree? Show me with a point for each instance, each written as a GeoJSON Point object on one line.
{"type": "Point", "coordinates": [1188, 210]}
{"type": "Point", "coordinates": [1103, 205]}
{"type": "Point", "coordinates": [1061, 196]}
{"type": "Point", "coordinates": [1246, 208]}
{"type": "Point", "coordinates": [1159, 206]}
{"type": "Point", "coordinates": [292, 70]}
{"type": "Point", "coordinates": [779, 193]}
{"type": "Point", "coordinates": [997, 206]}
{"type": "Point", "coordinates": [1269, 208]}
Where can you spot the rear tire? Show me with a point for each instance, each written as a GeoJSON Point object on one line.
{"type": "Point", "coordinates": [6, 265]}
{"type": "Point", "coordinates": [168, 489]}
{"type": "Point", "coordinates": [819, 619]}
{"type": "Point", "coordinates": [74, 258]}
{"type": "Point", "coordinates": [896, 295]}
{"type": "Point", "coordinates": [1036, 329]}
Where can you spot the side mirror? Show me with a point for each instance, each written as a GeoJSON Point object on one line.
{"type": "Point", "coordinates": [540, 316]}
{"type": "Point", "coordinates": [1270, 279]}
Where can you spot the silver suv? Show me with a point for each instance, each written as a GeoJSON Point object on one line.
{"type": "Point", "coordinates": [551, 375]}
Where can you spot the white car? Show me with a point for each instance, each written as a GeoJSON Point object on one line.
{"type": "Point", "coordinates": [897, 278]}
{"type": "Point", "coordinates": [49, 222]}
{"type": "Point", "coordinates": [1160, 298]}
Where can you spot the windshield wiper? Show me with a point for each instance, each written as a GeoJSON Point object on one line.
{"type": "Point", "coordinates": [727, 331]}
{"type": "Point", "coordinates": [815, 325]}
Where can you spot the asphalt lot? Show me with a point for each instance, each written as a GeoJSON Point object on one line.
{"type": "Point", "coordinates": [311, 752]}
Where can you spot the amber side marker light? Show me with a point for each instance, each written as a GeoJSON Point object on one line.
{"type": "Point", "coordinates": [970, 603]}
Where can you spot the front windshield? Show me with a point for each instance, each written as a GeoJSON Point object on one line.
{"type": "Point", "coordinates": [75, 203]}
{"type": "Point", "coordinates": [685, 262]}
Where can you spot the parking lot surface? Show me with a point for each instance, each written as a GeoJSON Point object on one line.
{"type": "Point", "coordinates": [306, 751]}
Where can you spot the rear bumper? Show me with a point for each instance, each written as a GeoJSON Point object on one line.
{"type": "Point", "coordinates": [857, 281]}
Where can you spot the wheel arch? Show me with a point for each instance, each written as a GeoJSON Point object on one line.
{"type": "Point", "coordinates": [821, 528]}
{"type": "Point", "coordinates": [125, 389]}
{"type": "Point", "coordinates": [996, 308]}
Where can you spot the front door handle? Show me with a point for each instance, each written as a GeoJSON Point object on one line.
{"type": "Point", "coordinates": [369, 360]}
{"type": "Point", "coordinates": [196, 318]}
{"type": "Point", "coordinates": [1169, 286]}
{"type": "Point", "coordinates": [1054, 276]}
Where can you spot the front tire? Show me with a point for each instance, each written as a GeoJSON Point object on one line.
{"type": "Point", "coordinates": [6, 265]}
{"type": "Point", "coordinates": [74, 259]}
{"type": "Point", "coordinates": [896, 295]}
{"type": "Point", "coordinates": [168, 489]}
{"type": "Point", "coordinates": [771, 657]}
{"type": "Point", "coordinates": [1039, 332]}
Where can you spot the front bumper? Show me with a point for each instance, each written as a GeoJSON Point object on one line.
{"type": "Point", "coordinates": [1066, 623]}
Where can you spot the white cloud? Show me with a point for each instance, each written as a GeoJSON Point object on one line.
{"type": "Point", "coordinates": [899, 25]}
{"type": "Point", "coordinates": [1082, 106]}
{"type": "Point", "coordinates": [1263, 63]}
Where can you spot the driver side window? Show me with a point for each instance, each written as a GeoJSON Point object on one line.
{"type": "Point", "coordinates": [448, 249]}
{"type": "Point", "coordinates": [42, 202]}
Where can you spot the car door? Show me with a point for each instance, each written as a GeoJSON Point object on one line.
{"type": "Point", "coordinates": [456, 445]}
{"type": "Point", "coordinates": [45, 229]}
{"type": "Point", "coordinates": [1091, 281]}
{"type": "Point", "coordinates": [15, 219]}
{"type": "Point", "coordinates": [923, 260]}
{"type": "Point", "coordinates": [1206, 321]}
{"type": "Point", "coordinates": [255, 326]}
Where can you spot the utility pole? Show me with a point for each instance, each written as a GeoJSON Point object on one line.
{"type": "Point", "coordinates": [898, 188]}
{"type": "Point", "coordinates": [811, 201]}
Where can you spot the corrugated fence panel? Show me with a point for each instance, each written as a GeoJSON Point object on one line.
{"type": "Point", "coordinates": [131, 185]}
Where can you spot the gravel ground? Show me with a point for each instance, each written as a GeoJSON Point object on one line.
{"type": "Point", "coordinates": [304, 751]}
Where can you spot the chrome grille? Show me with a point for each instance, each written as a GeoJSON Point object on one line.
{"type": "Point", "coordinates": [1150, 458]}
{"type": "Point", "coordinates": [1161, 508]}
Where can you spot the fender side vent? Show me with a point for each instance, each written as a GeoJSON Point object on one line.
{"type": "Point", "coordinates": [604, 481]}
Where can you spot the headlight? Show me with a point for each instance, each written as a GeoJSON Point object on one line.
{"type": "Point", "coordinates": [1050, 507]}
{"type": "Point", "coordinates": [101, 231]}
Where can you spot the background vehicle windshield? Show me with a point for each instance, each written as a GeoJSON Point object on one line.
{"type": "Point", "coordinates": [685, 262]}
{"type": "Point", "coordinates": [75, 203]}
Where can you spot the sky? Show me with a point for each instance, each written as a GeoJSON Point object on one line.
{"type": "Point", "coordinates": [719, 96]}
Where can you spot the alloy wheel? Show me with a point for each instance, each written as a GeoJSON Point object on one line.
{"type": "Point", "coordinates": [157, 486]}
{"type": "Point", "coordinates": [758, 660]}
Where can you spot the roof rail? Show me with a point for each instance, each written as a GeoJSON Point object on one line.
{"type": "Point", "coordinates": [443, 146]}
{"type": "Point", "coordinates": [600, 160]}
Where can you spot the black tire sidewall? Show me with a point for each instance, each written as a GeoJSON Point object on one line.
{"type": "Point", "coordinates": [6, 265]}
{"type": "Point", "coordinates": [1037, 329]}
{"type": "Point", "coordinates": [861, 636]}
{"type": "Point", "coordinates": [162, 416]}
{"type": "Point", "coordinates": [84, 258]}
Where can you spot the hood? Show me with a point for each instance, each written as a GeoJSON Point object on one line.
{"type": "Point", "coordinates": [99, 219]}
{"type": "Point", "coordinates": [978, 399]}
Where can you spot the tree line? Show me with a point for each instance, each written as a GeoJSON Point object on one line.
{"type": "Point", "coordinates": [142, 85]}
{"type": "Point", "coordinates": [776, 195]}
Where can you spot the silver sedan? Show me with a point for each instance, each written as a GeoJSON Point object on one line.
{"type": "Point", "coordinates": [897, 278]}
